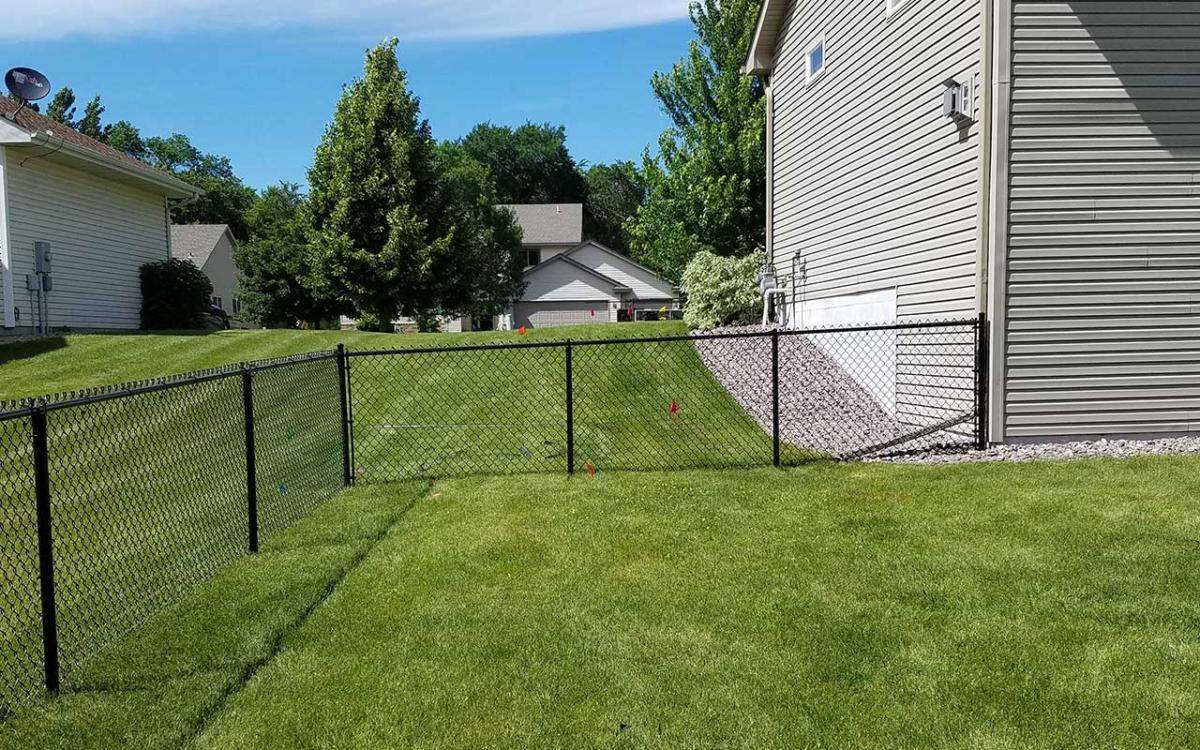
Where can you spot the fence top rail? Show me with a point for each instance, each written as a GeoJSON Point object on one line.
{"type": "Point", "coordinates": [17, 409]}
{"type": "Point", "coordinates": [559, 344]}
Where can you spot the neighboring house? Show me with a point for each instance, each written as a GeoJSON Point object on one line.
{"type": "Point", "coordinates": [548, 229]}
{"type": "Point", "coordinates": [210, 248]}
{"type": "Point", "coordinates": [1034, 161]}
{"type": "Point", "coordinates": [569, 281]}
{"type": "Point", "coordinates": [101, 214]}
{"type": "Point", "coordinates": [590, 283]}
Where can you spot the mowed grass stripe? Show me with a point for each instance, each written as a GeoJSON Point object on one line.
{"type": "Point", "coordinates": [1049, 605]}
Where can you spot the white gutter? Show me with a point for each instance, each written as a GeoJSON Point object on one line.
{"type": "Point", "coordinates": [6, 279]}
{"type": "Point", "coordinates": [175, 187]}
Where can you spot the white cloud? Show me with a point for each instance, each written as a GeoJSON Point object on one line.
{"type": "Point", "coordinates": [407, 19]}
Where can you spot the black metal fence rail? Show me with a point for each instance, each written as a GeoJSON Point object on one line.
{"type": "Point", "coordinates": [117, 501]}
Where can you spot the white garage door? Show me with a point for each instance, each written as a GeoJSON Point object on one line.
{"type": "Point", "coordinates": [555, 314]}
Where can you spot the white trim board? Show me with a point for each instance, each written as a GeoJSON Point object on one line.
{"type": "Point", "coordinates": [6, 279]}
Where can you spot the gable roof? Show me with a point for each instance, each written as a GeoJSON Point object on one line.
{"type": "Point", "coordinates": [619, 257]}
{"type": "Point", "coordinates": [62, 140]}
{"type": "Point", "coordinates": [195, 242]}
{"type": "Point", "coordinates": [549, 223]}
{"type": "Point", "coordinates": [562, 258]}
{"type": "Point", "coordinates": [761, 58]}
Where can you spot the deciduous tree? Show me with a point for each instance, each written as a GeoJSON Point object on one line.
{"type": "Point", "coordinates": [707, 184]}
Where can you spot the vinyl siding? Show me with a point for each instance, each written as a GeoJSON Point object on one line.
{"type": "Point", "coordinates": [643, 283]}
{"type": "Point", "coordinates": [1103, 267]}
{"type": "Point", "coordinates": [221, 271]}
{"type": "Point", "coordinates": [562, 282]}
{"type": "Point", "coordinates": [872, 188]}
{"type": "Point", "coordinates": [100, 232]}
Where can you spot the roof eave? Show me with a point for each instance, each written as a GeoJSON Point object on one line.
{"type": "Point", "coordinates": [761, 58]}
{"type": "Point", "coordinates": [172, 187]}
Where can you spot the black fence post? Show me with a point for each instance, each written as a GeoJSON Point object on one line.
{"type": "Point", "coordinates": [41, 479]}
{"type": "Point", "coordinates": [982, 380]}
{"type": "Point", "coordinates": [344, 397]}
{"type": "Point", "coordinates": [570, 410]}
{"type": "Point", "coordinates": [251, 464]}
{"type": "Point", "coordinates": [775, 397]}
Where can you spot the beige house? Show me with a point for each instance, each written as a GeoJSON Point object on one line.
{"type": "Point", "coordinates": [84, 214]}
{"type": "Point", "coordinates": [210, 248]}
{"type": "Point", "coordinates": [1034, 161]}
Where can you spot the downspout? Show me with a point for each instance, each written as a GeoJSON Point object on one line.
{"type": "Point", "coordinates": [6, 279]}
{"type": "Point", "coordinates": [986, 140]}
{"type": "Point", "coordinates": [995, 293]}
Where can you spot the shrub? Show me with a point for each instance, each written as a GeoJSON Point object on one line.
{"type": "Point", "coordinates": [367, 322]}
{"type": "Point", "coordinates": [722, 291]}
{"type": "Point", "coordinates": [175, 296]}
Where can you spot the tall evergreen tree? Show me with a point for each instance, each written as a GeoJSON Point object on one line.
{"type": "Point", "coordinates": [707, 185]}
{"type": "Point", "coordinates": [62, 106]}
{"type": "Point", "coordinates": [391, 214]}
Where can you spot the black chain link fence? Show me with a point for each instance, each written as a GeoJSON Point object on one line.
{"type": "Point", "coordinates": [115, 503]}
{"type": "Point", "coordinates": [729, 400]}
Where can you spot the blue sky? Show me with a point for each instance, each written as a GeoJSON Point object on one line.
{"type": "Point", "coordinates": [262, 96]}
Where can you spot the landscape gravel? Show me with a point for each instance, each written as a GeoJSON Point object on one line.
{"type": "Point", "coordinates": [821, 407]}
{"type": "Point", "coordinates": [1049, 452]}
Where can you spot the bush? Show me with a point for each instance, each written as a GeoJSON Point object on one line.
{"type": "Point", "coordinates": [175, 296]}
{"type": "Point", "coordinates": [722, 291]}
{"type": "Point", "coordinates": [367, 322]}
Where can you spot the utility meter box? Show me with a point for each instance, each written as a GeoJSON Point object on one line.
{"type": "Point", "coordinates": [42, 257]}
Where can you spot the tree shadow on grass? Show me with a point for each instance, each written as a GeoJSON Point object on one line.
{"type": "Point", "coordinates": [32, 348]}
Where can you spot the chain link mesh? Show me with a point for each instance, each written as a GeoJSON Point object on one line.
{"type": "Point", "coordinates": [148, 482]}
{"type": "Point", "coordinates": [459, 412]}
{"type": "Point", "coordinates": [298, 441]}
{"type": "Point", "coordinates": [666, 403]}
{"type": "Point", "coordinates": [148, 498]}
{"type": "Point", "coordinates": [20, 610]}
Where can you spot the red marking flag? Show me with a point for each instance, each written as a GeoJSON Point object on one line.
{"type": "Point", "coordinates": [521, 330]}
{"type": "Point", "coordinates": [591, 469]}
{"type": "Point", "coordinates": [674, 407]}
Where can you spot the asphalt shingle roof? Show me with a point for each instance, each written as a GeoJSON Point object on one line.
{"type": "Point", "coordinates": [38, 123]}
{"type": "Point", "coordinates": [195, 242]}
{"type": "Point", "coordinates": [550, 223]}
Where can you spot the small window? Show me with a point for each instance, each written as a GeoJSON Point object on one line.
{"type": "Point", "coordinates": [815, 61]}
{"type": "Point", "coordinates": [533, 257]}
{"type": "Point", "coordinates": [217, 302]}
{"type": "Point", "coordinates": [237, 305]}
{"type": "Point", "coordinates": [895, 5]}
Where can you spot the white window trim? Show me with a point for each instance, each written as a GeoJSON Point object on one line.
{"type": "Point", "coordinates": [809, 75]}
{"type": "Point", "coordinates": [892, 7]}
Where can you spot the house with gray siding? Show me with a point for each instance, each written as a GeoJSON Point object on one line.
{"type": "Point", "coordinates": [100, 214]}
{"type": "Point", "coordinates": [1038, 162]}
{"type": "Point", "coordinates": [209, 247]}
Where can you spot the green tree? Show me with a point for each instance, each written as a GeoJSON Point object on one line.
{"type": "Point", "coordinates": [124, 136]}
{"type": "Point", "coordinates": [707, 186]}
{"type": "Point", "coordinates": [62, 106]}
{"type": "Point", "coordinates": [226, 199]}
{"type": "Point", "coordinates": [529, 164]}
{"type": "Point", "coordinates": [403, 227]}
{"type": "Point", "coordinates": [277, 282]}
{"type": "Point", "coordinates": [615, 193]}
{"type": "Point", "coordinates": [90, 124]}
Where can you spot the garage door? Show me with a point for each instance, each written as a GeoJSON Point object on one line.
{"type": "Point", "coordinates": [554, 314]}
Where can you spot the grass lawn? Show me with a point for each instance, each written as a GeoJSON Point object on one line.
{"type": "Point", "coordinates": [1048, 605]}
{"type": "Point", "coordinates": [77, 361]}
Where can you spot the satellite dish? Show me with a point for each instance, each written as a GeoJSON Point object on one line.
{"type": "Point", "coordinates": [27, 84]}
